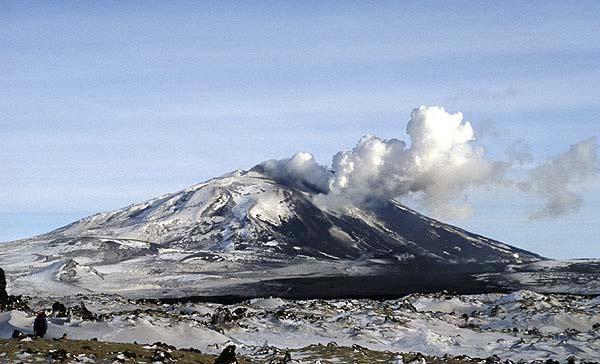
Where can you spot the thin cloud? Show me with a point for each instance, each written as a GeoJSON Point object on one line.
{"type": "Point", "coordinates": [556, 181]}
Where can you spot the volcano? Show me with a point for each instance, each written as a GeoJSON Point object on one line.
{"type": "Point", "coordinates": [245, 235]}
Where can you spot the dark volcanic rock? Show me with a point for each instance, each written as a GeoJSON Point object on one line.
{"type": "Point", "coordinates": [18, 303]}
{"type": "Point", "coordinates": [223, 316]}
{"type": "Point", "coordinates": [286, 359]}
{"type": "Point", "coordinates": [82, 312]}
{"type": "Point", "coordinates": [59, 355]}
{"type": "Point", "coordinates": [59, 310]}
{"type": "Point", "coordinates": [161, 356]}
{"type": "Point", "coordinates": [18, 334]}
{"type": "Point", "coordinates": [227, 356]}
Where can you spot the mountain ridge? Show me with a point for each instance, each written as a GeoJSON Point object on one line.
{"type": "Point", "coordinates": [242, 230]}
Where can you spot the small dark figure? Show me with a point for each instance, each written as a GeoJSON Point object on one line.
{"type": "Point", "coordinates": [40, 325]}
{"type": "Point", "coordinates": [64, 337]}
{"type": "Point", "coordinates": [3, 294]}
{"type": "Point", "coordinates": [227, 356]}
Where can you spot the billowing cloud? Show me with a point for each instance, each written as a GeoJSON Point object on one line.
{"type": "Point", "coordinates": [556, 180]}
{"type": "Point", "coordinates": [301, 171]}
{"type": "Point", "coordinates": [439, 164]}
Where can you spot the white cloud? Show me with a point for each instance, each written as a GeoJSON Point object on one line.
{"type": "Point", "coordinates": [301, 171]}
{"type": "Point", "coordinates": [439, 165]}
{"type": "Point", "coordinates": [557, 179]}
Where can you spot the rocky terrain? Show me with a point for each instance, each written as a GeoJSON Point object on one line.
{"type": "Point", "coordinates": [30, 350]}
{"type": "Point", "coordinates": [92, 351]}
{"type": "Point", "coordinates": [443, 328]}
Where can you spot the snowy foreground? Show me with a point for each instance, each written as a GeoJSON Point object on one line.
{"type": "Point", "coordinates": [518, 326]}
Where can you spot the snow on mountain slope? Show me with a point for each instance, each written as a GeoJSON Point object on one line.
{"type": "Point", "coordinates": [241, 228]}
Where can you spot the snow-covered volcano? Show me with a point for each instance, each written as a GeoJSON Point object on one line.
{"type": "Point", "coordinates": [244, 234]}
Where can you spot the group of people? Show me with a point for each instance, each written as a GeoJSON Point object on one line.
{"type": "Point", "coordinates": [40, 326]}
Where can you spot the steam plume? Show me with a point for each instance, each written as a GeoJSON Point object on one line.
{"type": "Point", "coordinates": [555, 179]}
{"type": "Point", "coordinates": [441, 163]}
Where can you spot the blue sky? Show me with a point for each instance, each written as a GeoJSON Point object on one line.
{"type": "Point", "coordinates": [103, 105]}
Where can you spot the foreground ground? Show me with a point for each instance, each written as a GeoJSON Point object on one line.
{"type": "Point", "coordinates": [91, 351]}
{"type": "Point", "coordinates": [86, 351]}
{"type": "Point", "coordinates": [445, 328]}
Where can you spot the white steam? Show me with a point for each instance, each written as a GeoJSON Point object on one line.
{"type": "Point", "coordinates": [300, 171]}
{"type": "Point", "coordinates": [440, 165]}
{"type": "Point", "coordinates": [555, 179]}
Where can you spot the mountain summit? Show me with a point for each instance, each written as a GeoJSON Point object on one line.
{"type": "Point", "coordinates": [244, 234]}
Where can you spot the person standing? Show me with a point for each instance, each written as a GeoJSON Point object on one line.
{"type": "Point", "coordinates": [40, 325]}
